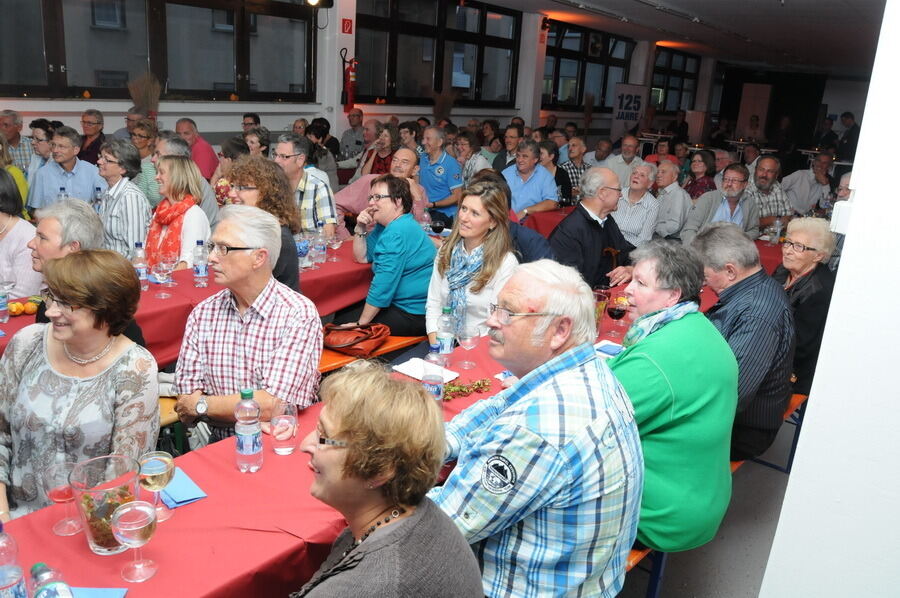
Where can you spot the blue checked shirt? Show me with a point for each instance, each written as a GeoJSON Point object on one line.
{"type": "Point", "coordinates": [315, 200]}
{"type": "Point", "coordinates": [548, 483]}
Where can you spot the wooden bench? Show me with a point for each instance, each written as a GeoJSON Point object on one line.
{"type": "Point", "coordinates": [333, 360]}
{"type": "Point", "coordinates": [171, 430]}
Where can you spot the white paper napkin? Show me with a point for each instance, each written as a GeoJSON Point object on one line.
{"type": "Point", "coordinates": [415, 367]}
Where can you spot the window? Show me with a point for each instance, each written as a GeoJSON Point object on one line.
{"type": "Point", "coordinates": [410, 49]}
{"type": "Point", "coordinates": [674, 80]}
{"type": "Point", "coordinates": [580, 62]}
{"type": "Point", "coordinates": [198, 49]}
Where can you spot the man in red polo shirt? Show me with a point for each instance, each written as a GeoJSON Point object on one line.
{"type": "Point", "coordinates": [201, 151]}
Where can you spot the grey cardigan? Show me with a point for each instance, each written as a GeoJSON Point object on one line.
{"type": "Point", "coordinates": [422, 555]}
{"type": "Point", "coordinates": [703, 211]}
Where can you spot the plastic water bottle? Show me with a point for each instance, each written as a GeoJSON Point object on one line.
{"type": "Point", "coordinates": [248, 433]}
{"type": "Point", "coordinates": [62, 194]}
{"type": "Point", "coordinates": [4, 302]}
{"type": "Point", "coordinates": [201, 264]}
{"type": "Point", "coordinates": [445, 331]}
{"type": "Point", "coordinates": [433, 375]}
{"type": "Point", "coordinates": [320, 244]}
{"type": "Point", "coordinates": [48, 583]}
{"type": "Point", "coordinates": [139, 261]}
{"type": "Point", "coordinates": [776, 238]}
{"type": "Point", "coordinates": [12, 582]}
{"type": "Point", "coordinates": [97, 200]}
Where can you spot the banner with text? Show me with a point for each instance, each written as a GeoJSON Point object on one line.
{"type": "Point", "coordinates": [629, 105]}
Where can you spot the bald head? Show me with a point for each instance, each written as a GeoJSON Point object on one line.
{"type": "Point", "coordinates": [405, 163]}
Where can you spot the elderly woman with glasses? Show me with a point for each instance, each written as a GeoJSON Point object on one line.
{"type": "Point", "coordinates": [76, 388]}
{"type": "Point", "coordinates": [402, 257]}
{"type": "Point", "coordinates": [143, 138]}
{"type": "Point", "coordinates": [376, 450]}
{"type": "Point", "coordinates": [682, 380]}
{"type": "Point", "coordinates": [808, 282]}
{"type": "Point", "coordinates": [468, 154]}
{"type": "Point", "coordinates": [124, 209]}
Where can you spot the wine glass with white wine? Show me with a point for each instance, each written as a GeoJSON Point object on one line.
{"type": "Point", "coordinates": [133, 524]}
{"type": "Point", "coordinates": [157, 469]}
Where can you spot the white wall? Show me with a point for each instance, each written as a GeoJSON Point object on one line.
{"type": "Point", "coordinates": [842, 95]}
{"type": "Point", "coordinates": [839, 530]}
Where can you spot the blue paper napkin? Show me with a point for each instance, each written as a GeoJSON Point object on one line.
{"type": "Point", "coordinates": [609, 348]}
{"type": "Point", "coordinates": [99, 592]}
{"type": "Point", "coordinates": [181, 490]}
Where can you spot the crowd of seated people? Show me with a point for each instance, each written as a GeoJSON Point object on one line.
{"type": "Point", "coordinates": [558, 477]}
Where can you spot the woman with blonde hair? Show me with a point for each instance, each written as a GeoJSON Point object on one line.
{"type": "Point", "coordinates": [474, 263]}
{"type": "Point", "coordinates": [14, 171]}
{"type": "Point", "coordinates": [178, 222]}
{"type": "Point", "coordinates": [376, 451]}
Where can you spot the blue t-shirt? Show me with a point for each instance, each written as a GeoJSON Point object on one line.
{"type": "Point", "coordinates": [539, 186]}
{"type": "Point", "coordinates": [402, 257]}
{"type": "Point", "coordinates": [80, 183]}
{"type": "Point", "coordinates": [440, 179]}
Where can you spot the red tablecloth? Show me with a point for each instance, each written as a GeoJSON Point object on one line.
{"type": "Point", "coordinates": [545, 222]}
{"type": "Point", "coordinates": [256, 534]}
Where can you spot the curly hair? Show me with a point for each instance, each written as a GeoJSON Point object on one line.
{"type": "Point", "coordinates": [275, 196]}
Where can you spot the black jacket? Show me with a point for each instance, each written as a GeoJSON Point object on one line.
{"type": "Point", "coordinates": [581, 242]}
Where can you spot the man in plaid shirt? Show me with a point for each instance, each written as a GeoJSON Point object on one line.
{"type": "Point", "coordinates": [575, 168]}
{"type": "Point", "coordinates": [313, 195]}
{"type": "Point", "coordinates": [547, 486]}
{"type": "Point", "coordinates": [257, 333]}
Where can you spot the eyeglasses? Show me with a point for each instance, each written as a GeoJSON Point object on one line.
{"type": "Point", "coordinates": [277, 156]}
{"type": "Point", "coordinates": [242, 187]}
{"type": "Point", "coordinates": [139, 136]}
{"type": "Point", "coordinates": [734, 181]}
{"type": "Point", "coordinates": [800, 247]}
{"type": "Point", "coordinates": [47, 297]}
{"type": "Point", "coordinates": [107, 160]}
{"type": "Point", "coordinates": [505, 316]}
{"type": "Point", "coordinates": [250, 124]}
{"type": "Point", "coordinates": [331, 441]}
{"type": "Point", "coordinates": [223, 249]}
{"type": "Point", "coordinates": [378, 196]}
{"type": "Point", "coordinates": [616, 189]}
{"type": "Point", "coordinates": [91, 123]}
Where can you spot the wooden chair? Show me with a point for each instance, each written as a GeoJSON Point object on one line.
{"type": "Point", "coordinates": [793, 415]}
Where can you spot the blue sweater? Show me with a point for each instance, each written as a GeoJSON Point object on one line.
{"type": "Point", "coordinates": [402, 257]}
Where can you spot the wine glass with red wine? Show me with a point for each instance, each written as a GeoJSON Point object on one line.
{"type": "Point", "coordinates": [437, 226]}
{"type": "Point", "coordinates": [616, 308]}
{"type": "Point", "coordinates": [56, 484]}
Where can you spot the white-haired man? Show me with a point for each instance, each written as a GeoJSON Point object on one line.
{"type": "Point", "coordinates": [548, 475]}
{"type": "Point", "coordinates": [674, 202]}
{"type": "Point", "coordinates": [20, 148]}
{"type": "Point", "coordinates": [257, 333]}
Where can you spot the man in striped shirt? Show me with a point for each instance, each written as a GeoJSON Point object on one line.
{"type": "Point", "coordinates": [549, 472]}
{"type": "Point", "coordinates": [754, 316]}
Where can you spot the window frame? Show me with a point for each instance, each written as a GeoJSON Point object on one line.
{"type": "Point", "coordinates": [668, 72]}
{"type": "Point", "coordinates": [557, 53]}
{"type": "Point", "coordinates": [441, 34]}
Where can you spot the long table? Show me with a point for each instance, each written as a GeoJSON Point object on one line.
{"type": "Point", "coordinates": [258, 534]}
{"type": "Point", "coordinates": [334, 286]}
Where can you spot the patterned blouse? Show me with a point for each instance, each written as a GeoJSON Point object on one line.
{"type": "Point", "coordinates": [697, 187]}
{"type": "Point", "coordinates": [47, 418]}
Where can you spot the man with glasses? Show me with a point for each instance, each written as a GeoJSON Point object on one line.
{"type": "Point", "coordinates": [766, 191]}
{"type": "Point", "coordinates": [723, 159]}
{"type": "Point", "coordinates": [93, 138]}
{"type": "Point", "coordinates": [77, 178]}
{"type": "Point", "coordinates": [589, 238]}
{"type": "Point", "coordinates": [558, 137]}
{"type": "Point", "coordinates": [249, 120]}
{"type": "Point", "coordinates": [511, 139]}
{"type": "Point", "coordinates": [730, 204]}
{"type": "Point", "coordinates": [312, 193]}
{"type": "Point", "coordinates": [549, 473]}
{"type": "Point", "coordinates": [256, 333]}
{"type": "Point", "coordinates": [19, 147]}
{"type": "Point", "coordinates": [202, 152]}
{"type": "Point", "coordinates": [41, 136]}
{"type": "Point", "coordinates": [352, 143]}
{"type": "Point", "coordinates": [132, 118]}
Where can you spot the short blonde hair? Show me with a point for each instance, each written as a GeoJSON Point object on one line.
{"type": "Point", "coordinates": [391, 427]}
{"type": "Point", "coordinates": [184, 178]}
{"type": "Point", "coordinates": [818, 229]}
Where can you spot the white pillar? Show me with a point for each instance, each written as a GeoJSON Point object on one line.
{"type": "Point", "coordinates": [642, 57]}
{"type": "Point", "coordinates": [530, 79]}
{"type": "Point", "coordinates": [329, 69]}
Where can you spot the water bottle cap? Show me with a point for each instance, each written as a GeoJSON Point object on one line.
{"type": "Point", "coordinates": [199, 242]}
{"type": "Point", "coordinates": [138, 245]}
{"type": "Point", "coordinates": [38, 568]}
{"type": "Point", "coordinates": [434, 348]}
{"type": "Point", "coordinates": [246, 394]}
{"type": "Point", "coordinates": [447, 310]}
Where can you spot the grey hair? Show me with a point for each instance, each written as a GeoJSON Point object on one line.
{"type": "Point", "coordinates": [530, 144]}
{"type": "Point", "coordinates": [649, 165]}
{"type": "Point", "coordinates": [299, 142]}
{"type": "Point", "coordinates": [95, 113]}
{"type": "Point", "coordinates": [77, 222]}
{"type": "Point", "coordinates": [723, 243]}
{"type": "Point", "coordinates": [17, 118]}
{"type": "Point", "coordinates": [437, 131]}
{"type": "Point", "coordinates": [125, 153]}
{"type": "Point", "coordinates": [175, 144]}
{"type": "Point", "coordinates": [668, 164]}
{"type": "Point", "coordinates": [677, 267]}
{"type": "Point", "coordinates": [566, 294]}
{"type": "Point", "coordinates": [70, 134]}
{"type": "Point", "coordinates": [591, 181]}
{"type": "Point", "coordinates": [818, 229]}
{"type": "Point", "coordinates": [257, 228]}
{"type": "Point", "coordinates": [192, 122]}
{"type": "Point", "coordinates": [136, 110]}
{"type": "Point", "coordinates": [846, 175]}
{"type": "Point", "coordinates": [723, 153]}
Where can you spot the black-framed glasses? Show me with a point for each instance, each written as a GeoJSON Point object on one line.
{"type": "Point", "coordinates": [796, 246]}
{"type": "Point", "coordinates": [249, 124]}
{"type": "Point", "coordinates": [242, 187]}
{"type": "Point", "coordinates": [105, 159]}
{"type": "Point", "coordinates": [47, 297]}
{"type": "Point", "coordinates": [223, 249]}
{"type": "Point", "coordinates": [377, 197]}
{"type": "Point", "coordinates": [277, 156]}
{"type": "Point", "coordinates": [505, 316]}
{"type": "Point", "coordinates": [734, 181]}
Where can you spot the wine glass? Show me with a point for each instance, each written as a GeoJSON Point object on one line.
{"type": "Point", "coordinates": [334, 243]}
{"type": "Point", "coordinates": [601, 299]}
{"type": "Point", "coordinates": [157, 469]}
{"type": "Point", "coordinates": [170, 260]}
{"type": "Point", "coordinates": [468, 339]}
{"type": "Point", "coordinates": [133, 524]}
{"type": "Point", "coordinates": [161, 272]}
{"type": "Point", "coordinates": [617, 308]}
{"type": "Point", "coordinates": [284, 427]}
{"type": "Point", "coordinates": [437, 226]}
{"type": "Point", "coordinates": [56, 484]}
{"type": "Point", "coordinates": [426, 221]}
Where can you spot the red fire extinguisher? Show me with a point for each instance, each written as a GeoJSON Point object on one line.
{"type": "Point", "coordinates": [348, 93]}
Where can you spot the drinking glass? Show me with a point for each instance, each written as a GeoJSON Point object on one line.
{"type": "Point", "coordinates": [437, 226]}
{"type": "Point", "coordinates": [426, 221]}
{"type": "Point", "coordinates": [133, 524]}
{"type": "Point", "coordinates": [100, 485]}
{"type": "Point", "coordinates": [334, 243]}
{"type": "Point", "coordinates": [284, 427]}
{"type": "Point", "coordinates": [617, 308]}
{"type": "Point", "coordinates": [170, 260]}
{"type": "Point", "coordinates": [56, 485]}
{"type": "Point", "coordinates": [601, 299]}
{"type": "Point", "coordinates": [157, 469]}
{"type": "Point", "coordinates": [468, 339]}
{"type": "Point", "coordinates": [161, 272]}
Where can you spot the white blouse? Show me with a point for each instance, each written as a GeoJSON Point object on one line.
{"type": "Point", "coordinates": [15, 261]}
{"type": "Point", "coordinates": [194, 228]}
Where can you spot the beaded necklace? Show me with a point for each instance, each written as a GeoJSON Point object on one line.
{"type": "Point", "coordinates": [394, 514]}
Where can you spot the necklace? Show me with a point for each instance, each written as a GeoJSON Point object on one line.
{"type": "Point", "coordinates": [96, 357]}
{"type": "Point", "coordinates": [394, 514]}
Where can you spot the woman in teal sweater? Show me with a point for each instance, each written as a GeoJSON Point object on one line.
{"type": "Point", "coordinates": [681, 377]}
{"type": "Point", "coordinates": [402, 257]}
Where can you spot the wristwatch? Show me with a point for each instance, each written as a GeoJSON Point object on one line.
{"type": "Point", "coordinates": [202, 406]}
{"type": "Point", "coordinates": [526, 211]}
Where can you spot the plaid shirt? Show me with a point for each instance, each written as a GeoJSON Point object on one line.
{"type": "Point", "coordinates": [548, 481]}
{"type": "Point", "coordinates": [275, 346]}
{"type": "Point", "coordinates": [315, 200]}
{"type": "Point", "coordinates": [575, 172]}
{"type": "Point", "coordinates": [21, 155]}
{"type": "Point", "coordinates": [773, 203]}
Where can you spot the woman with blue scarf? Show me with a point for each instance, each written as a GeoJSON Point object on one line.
{"type": "Point", "coordinates": [681, 377]}
{"type": "Point", "coordinates": [474, 263]}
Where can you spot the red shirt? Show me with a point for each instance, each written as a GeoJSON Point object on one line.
{"type": "Point", "coordinates": [204, 157]}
